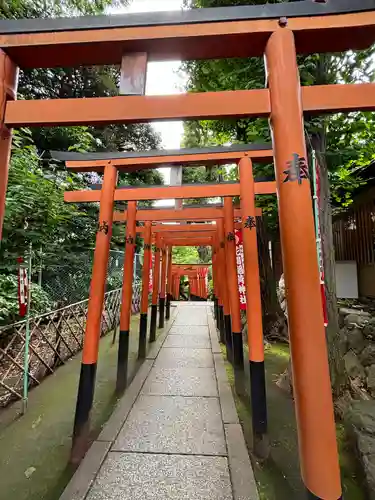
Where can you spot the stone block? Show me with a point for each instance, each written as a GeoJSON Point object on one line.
{"type": "Point", "coordinates": [368, 462]}
{"type": "Point", "coordinates": [371, 379]}
{"type": "Point", "coordinates": [353, 366]}
{"type": "Point", "coordinates": [181, 382]}
{"type": "Point", "coordinates": [244, 485]}
{"type": "Point", "coordinates": [195, 341]}
{"type": "Point", "coordinates": [361, 419]}
{"type": "Point", "coordinates": [133, 476]}
{"type": "Point", "coordinates": [165, 424]}
{"type": "Point", "coordinates": [85, 474]}
{"type": "Point", "coordinates": [344, 311]}
{"type": "Point", "coordinates": [193, 316]}
{"type": "Point", "coordinates": [369, 331]}
{"type": "Point", "coordinates": [181, 357]}
{"type": "Point", "coordinates": [356, 340]}
{"type": "Point", "coordinates": [189, 330]}
{"type": "Point", "coordinates": [353, 320]}
{"type": "Point", "coordinates": [367, 356]}
{"type": "Point", "coordinates": [361, 416]}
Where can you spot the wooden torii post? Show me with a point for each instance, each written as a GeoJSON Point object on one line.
{"type": "Point", "coordinates": [280, 31]}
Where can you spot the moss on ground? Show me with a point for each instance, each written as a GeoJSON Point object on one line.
{"type": "Point", "coordinates": [35, 447]}
{"type": "Point", "coordinates": [278, 478]}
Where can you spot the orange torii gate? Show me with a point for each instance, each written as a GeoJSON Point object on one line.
{"type": "Point", "coordinates": [162, 241]}
{"type": "Point", "coordinates": [198, 288]}
{"type": "Point", "coordinates": [201, 213]}
{"type": "Point", "coordinates": [280, 32]}
{"type": "Point", "coordinates": [228, 311]}
{"type": "Point", "coordinates": [148, 232]}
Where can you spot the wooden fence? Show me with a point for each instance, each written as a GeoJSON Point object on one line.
{"type": "Point", "coordinates": [354, 231]}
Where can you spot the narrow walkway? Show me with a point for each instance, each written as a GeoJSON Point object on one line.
{"type": "Point", "coordinates": [175, 434]}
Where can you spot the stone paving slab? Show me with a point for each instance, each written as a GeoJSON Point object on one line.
{"type": "Point", "coordinates": [165, 424]}
{"type": "Point", "coordinates": [192, 317]}
{"type": "Point", "coordinates": [175, 433]}
{"type": "Point", "coordinates": [133, 476]}
{"type": "Point", "coordinates": [181, 382]}
{"type": "Point", "coordinates": [189, 330]}
{"type": "Point", "coordinates": [184, 357]}
{"type": "Point", "coordinates": [195, 341]}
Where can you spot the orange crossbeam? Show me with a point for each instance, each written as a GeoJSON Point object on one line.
{"type": "Point", "coordinates": [338, 98]}
{"type": "Point", "coordinates": [137, 109]}
{"type": "Point", "coordinates": [195, 214]}
{"type": "Point", "coordinates": [188, 242]}
{"type": "Point", "coordinates": [141, 163]}
{"type": "Point", "coordinates": [211, 40]}
{"type": "Point", "coordinates": [195, 106]}
{"type": "Point", "coordinates": [186, 234]}
{"type": "Point", "coordinates": [187, 267]}
{"type": "Point", "coordinates": [186, 228]}
{"type": "Point", "coordinates": [169, 192]}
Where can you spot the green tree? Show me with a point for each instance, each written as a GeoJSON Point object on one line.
{"type": "Point", "coordinates": [342, 142]}
{"type": "Point", "coordinates": [93, 81]}
{"type": "Point", "coordinates": [185, 255]}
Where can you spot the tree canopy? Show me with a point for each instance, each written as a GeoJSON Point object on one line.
{"type": "Point", "coordinates": [35, 210]}
{"type": "Point", "coordinates": [343, 143]}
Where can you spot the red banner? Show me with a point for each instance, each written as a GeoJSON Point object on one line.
{"type": "Point", "coordinates": [320, 252]}
{"type": "Point", "coordinates": [150, 283]}
{"type": "Point", "coordinates": [240, 268]}
{"type": "Point", "coordinates": [22, 287]}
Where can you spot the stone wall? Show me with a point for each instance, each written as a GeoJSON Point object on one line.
{"type": "Point", "coordinates": [358, 347]}
{"type": "Point", "coordinates": [358, 338]}
{"type": "Point", "coordinates": [357, 404]}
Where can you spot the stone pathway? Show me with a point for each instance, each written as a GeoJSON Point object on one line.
{"type": "Point", "coordinates": [175, 434]}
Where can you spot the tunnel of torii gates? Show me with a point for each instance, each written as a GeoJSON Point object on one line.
{"type": "Point", "coordinates": [277, 31]}
{"type": "Point", "coordinates": [196, 274]}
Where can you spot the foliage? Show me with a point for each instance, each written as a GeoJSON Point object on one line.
{"type": "Point", "coordinates": [348, 143]}
{"type": "Point", "coordinates": [9, 307]}
{"type": "Point", "coordinates": [185, 255]}
{"type": "Point", "coordinates": [14, 9]}
{"type": "Point", "coordinates": [36, 212]}
{"type": "Point", "coordinates": [343, 143]}
{"type": "Point", "coordinates": [94, 81]}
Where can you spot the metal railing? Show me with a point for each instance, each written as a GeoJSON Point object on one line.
{"type": "Point", "coordinates": [55, 337]}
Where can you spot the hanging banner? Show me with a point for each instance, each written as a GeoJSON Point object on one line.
{"type": "Point", "coordinates": [22, 287]}
{"type": "Point", "coordinates": [203, 273]}
{"type": "Point", "coordinates": [150, 283]}
{"type": "Point", "coordinates": [319, 240]}
{"type": "Point", "coordinates": [240, 268]}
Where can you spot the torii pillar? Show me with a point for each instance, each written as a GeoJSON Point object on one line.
{"type": "Point", "coordinates": [226, 325]}
{"type": "Point", "coordinates": [311, 379]}
{"type": "Point", "coordinates": [8, 92]}
{"type": "Point", "coordinates": [253, 311]}
{"type": "Point", "coordinates": [169, 284]}
{"type": "Point", "coordinates": [163, 283]}
{"type": "Point", "coordinates": [91, 338]}
{"type": "Point", "coordinates": [145, 291]}
{"type": "Point", "coordinates": [234, 295]}
{"type": "Point", "coordinates": [126, 299]}
{"type": "Point", "coordinates": [155, 291]}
